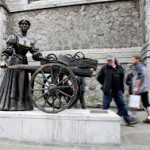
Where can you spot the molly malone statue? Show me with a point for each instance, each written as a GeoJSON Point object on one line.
{"type": "Point", "coordinates": [14, 88]}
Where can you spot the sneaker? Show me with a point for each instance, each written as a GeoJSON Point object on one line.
{"type": "Point", "coordinates": [133, 122]}
{"type": "Point", "coordinates": [119, 113]}
{"type": "Point", "coordinates": [147, 121]}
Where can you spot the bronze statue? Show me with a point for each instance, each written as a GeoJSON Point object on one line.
{"type": "Point", "coordinates": [14, 88]}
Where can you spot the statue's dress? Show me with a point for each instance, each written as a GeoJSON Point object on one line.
{"type": "Point", "coordinates": [14, 88]}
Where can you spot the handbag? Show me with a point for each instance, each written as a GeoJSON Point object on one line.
{"type": "Point", "coordinates": [134, 101]}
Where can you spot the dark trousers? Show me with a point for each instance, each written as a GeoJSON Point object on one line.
{"type": "Point", "coordinates": [145, 99]}
{"type": "Point", "coordinates": [119, 100]}
{"type": "Point", "coordinates": [81, 98]}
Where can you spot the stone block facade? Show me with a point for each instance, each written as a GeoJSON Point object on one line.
{"type": "Point", "coordinates": [101, 25]}
{"type": "Point", "coordinates": [3, 29]}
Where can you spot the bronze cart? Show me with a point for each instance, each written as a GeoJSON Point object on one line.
{"type": "Point", "coordinates": [53, 86]}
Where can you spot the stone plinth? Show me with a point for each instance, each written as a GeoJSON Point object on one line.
{"type": "Point", "coordinates": [68, 127]}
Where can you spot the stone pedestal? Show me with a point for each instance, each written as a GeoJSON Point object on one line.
{"type": "Point", "coordinates": [72, 126]}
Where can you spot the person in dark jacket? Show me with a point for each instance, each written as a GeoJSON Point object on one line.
{"type": "Point", "coordinates": [111, 77]}
{"type": "Point", "coordinates": [129, 81]}
{"type": "Point", "coordinates": [82, 84]}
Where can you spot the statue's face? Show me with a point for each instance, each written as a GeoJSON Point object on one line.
{"type": "Point", "coordinates": [24, 26]}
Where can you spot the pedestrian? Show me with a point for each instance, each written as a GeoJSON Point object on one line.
{"type": "Point", "coordinates": [129, 80]}
{"type": "Point", "coordinates": [141, 84]}
{"type": "Point", "coordinates": [80, 92]}
{"type": "Point", "coordinates": [82, 84]}
{"type": "Point", "coordinates": [111, 77]}
{"type": "Point", "coordinates": [129, 83]}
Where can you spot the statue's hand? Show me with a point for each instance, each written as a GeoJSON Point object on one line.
{"type": "Point", "coordinates": [3, 64]}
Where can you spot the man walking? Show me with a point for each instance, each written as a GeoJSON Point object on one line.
{"type": "Point", "coordinates": [129, 80]}
{"type": "Point", "coordinates": [141, 84]}
{"type": "Point", "coordinates": [111, 77]}
{"type": "Point", "coordinates": [82, 84]}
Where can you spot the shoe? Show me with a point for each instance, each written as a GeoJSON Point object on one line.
{"type": "Point", "coordinates": [83, 107]}
{"type": "Point", "coordinates": [146, 121]}
{"type": "Point", "coordinates": [119, 113]}
{"type": "Point", "coordinates": [133, 122]}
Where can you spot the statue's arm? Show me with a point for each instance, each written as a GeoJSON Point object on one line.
{"type": "Point", "coordinates": [36, 54]}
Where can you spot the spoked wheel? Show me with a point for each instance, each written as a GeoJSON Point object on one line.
{"type": "Point", "coordinates": [63, 97]}
{"type": "Point", "coordinates": [49, 86]}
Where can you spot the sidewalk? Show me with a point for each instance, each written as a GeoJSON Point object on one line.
{"type": "Point", "coordinates": [133, 138]}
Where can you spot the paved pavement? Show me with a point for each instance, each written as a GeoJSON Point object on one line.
{"type": "Point", "coordinates": [133, 138]}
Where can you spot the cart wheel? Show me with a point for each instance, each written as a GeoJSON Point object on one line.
{"type": "Point", "coordinates": [49, 86]}
{"type": "Point", "coordinates": [62, 97]}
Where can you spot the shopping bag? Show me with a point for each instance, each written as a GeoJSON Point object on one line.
{"type": "Point", "coordinates": [134, 101]}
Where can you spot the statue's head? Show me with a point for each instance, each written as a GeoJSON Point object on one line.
{"type": "Point", "coordinates": [24, 25]}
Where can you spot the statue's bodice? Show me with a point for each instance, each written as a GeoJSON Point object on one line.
{"type": "Point", "coordinates": [18, 45]}
{"type": "Point", "coordinates": [23, 45]}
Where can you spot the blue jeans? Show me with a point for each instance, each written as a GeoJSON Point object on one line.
{"type": "Point", "coordinates": [119, 100]}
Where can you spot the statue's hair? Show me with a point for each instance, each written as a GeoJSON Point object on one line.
{"type": "Point", "coordinates": [21, 21]}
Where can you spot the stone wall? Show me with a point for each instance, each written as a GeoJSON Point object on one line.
{"type": "Point", "coordinates": [143, 18]}
{"type": "Point", "coordinates": [3, 27]}
{"type": "Point", "coordinates": [101, 25]}
{"type": "Point", "coordinates": [3, 30]}
{"type": "Point", "coordinates": [26, 5]}
{"type": "Point", "coordinates": [146, 46]}
{"type": "Point", "coordinates": [92, 28]}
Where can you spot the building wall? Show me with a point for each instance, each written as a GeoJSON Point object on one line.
{"type": "Point", "coordinates": [142, 4]}
{"type": "Point", "coordinates": [3, 32]}
{"type": "Point", "coordinates": [96, 29]}
{"type": "Point", "coordinates": [101, 25]}
{"type": "Point", "coordinates": [146, 46]}
{"type": "Point", "coordinates": [26, 5]}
